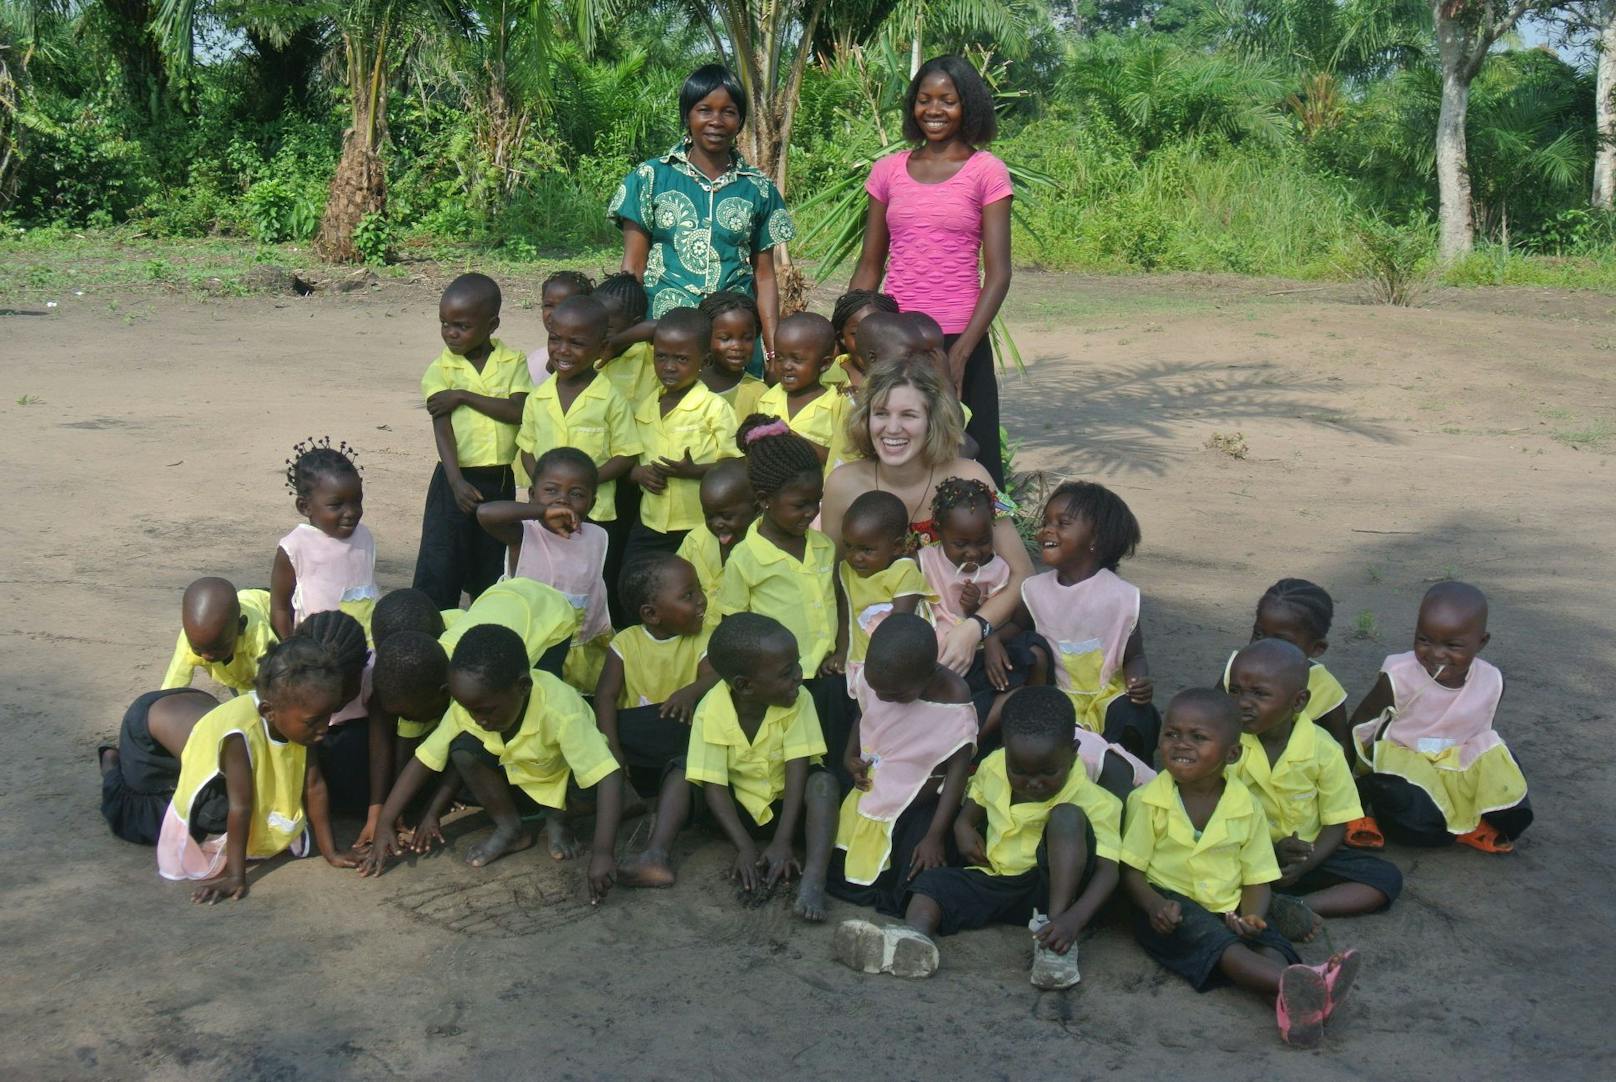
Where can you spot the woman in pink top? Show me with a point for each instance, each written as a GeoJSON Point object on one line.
{"type": "Point", "coordinates": [933, 211]}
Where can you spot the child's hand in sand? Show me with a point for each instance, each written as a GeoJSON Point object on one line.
{"type": "Point", "coordinates": [562, 520]}
{"type": "Point", "coordinates": [927, 855]}
{"type": "Point", "coordinates": [1244, 926]}
{"type": "Point", "coordinates": [229, 887]}
{"type": "Point", "coordinates": [780, 861]}
{"type": "Point", "coordinates": [1166, 917]}
{"type": "Point", "coordinates": [996, 663]}
{"type": "Point", "coordinates": [681, 704]}
{"type": "Point", "coordinates": [386, 845]}
{"type": "Point", "coordinates": [745, 869]}
{"type": "Point", "coordinates": [344, 858]}
{"type": "Point", "coordinates": [1141, 690]}
{"type": "Point", "coordinates": [602, 874]}
{"type": "Point", "coordinates": [971, 844]}
{"type": "Point", "coordinates": [428, 832]}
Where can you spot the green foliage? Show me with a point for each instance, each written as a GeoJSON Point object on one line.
{"type": "Point", "coordinates": [373, 237]}
{"type": "Point", "coordinates": [1396, 262]}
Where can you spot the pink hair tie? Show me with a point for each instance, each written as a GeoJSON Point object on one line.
{"type": "Point", "coordinates": [773, 428]}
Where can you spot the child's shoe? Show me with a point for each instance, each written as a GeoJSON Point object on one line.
{"type": "Point", "coordinates": [1486, 838]}
{"type": "Point", "coordinates": [1051, 970]}
{"type": "Point", "coordinates": [1299, 1007]}
{"type": "Point", "coordinates": [1365, 833]}
{"type": "Point", "coordinates": [1339, 973]}
{"type": "Point", "coordinates": [892, 948]}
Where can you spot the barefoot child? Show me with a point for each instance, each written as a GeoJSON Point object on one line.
{"type": "Point", "coordinates": [247, 787]}
{"type": "Point", "coordinates": [1198, 867]}
{"type": "Point", "coordinates": [1301, 779]}
{"type": "Point", "coordinates": [876, 578]}
{"type": "Point", "coordinates": [852, 308]}
{"type": "Point", "coordinates": [728, 508]}
{"type": "Point", "coordinates": [328, 562]}
{"type": "Point", "coordinates": [735, 332]}
{"type": "Point", "coordinates": [1041, 841]}
{"type": "Point", "coordinates": [223, 631]}
{"type": "Point", "coordinates": [559, 287]}
{"type": "Point", "coordinates": [548, 541]}
{"type": "Point", "coordinates": [1438, 771]}
{"type": "Point", "coordinates": [755, 741]}
{"type": "Point", "coordinates": [475, 393]}
{"type": "Point", "coordinates": [805, 345]}
{"type": "Point", "coordinates": [139, 772]}
{"type": "Point", "coordinates": [1300, 612]}
{"type": "Point", "coordinates": [916, 724]}
{"type": "Point", "coordinates": [519, 739]}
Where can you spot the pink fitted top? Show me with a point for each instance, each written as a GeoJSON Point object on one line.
{"type": "Point", "coordinates": [936, 230]}
{"type": "Point", "coordinates": [573, 565]}
{"type": "Point", "coordinates": [330, 570]}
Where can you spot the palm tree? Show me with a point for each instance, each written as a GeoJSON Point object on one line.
{"type": "Point", "coordinates": [1005, 23]}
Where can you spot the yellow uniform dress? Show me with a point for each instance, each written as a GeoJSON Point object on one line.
{"type": "Point", "coordinates": [743, 397]}
{"type": "Point", "coordinates": [700, 549]}
{"type": "Point", "coordinates": [1309, 787]}
{"type": "Point", "coordinates": [763, 578]}
{"type": "Point", "coordinates": [277, 799]}
{"type": "Point", "coordinates": [653, 668]}
{"type": "Point", "coordinates": [600, 424]}
{"type": "Point", "coordinates": [822, 421]}
{"type": "Point", "coordinates": [1325, 692]}
{"type": "Point", "coordinates": [701, 423]}
{"type": "Point", "coordinates": [633, 374]}
{"type": "Point", "coordinates": [479, 439]}
{"type": "Point", "coordinates": [1014, 830]}
{"type": "Point", "coordinates": [869, 600]}
{"type": "Point", "coordinates": [242, 669]}
{"type": "Point", "coordinates": [1233, 852]}
{"type": "Point", "coordinates": [556, 739]}
{"type": "Point", "coordinates": [720, 753]}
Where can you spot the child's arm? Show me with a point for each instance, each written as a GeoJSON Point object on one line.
{"type": "Point", "coordinates": [1376, 703]}
{"type": "Point", "coordinates": [721, 802]}
{"type": "Point", "coordinates": [681, 705]}
{"type": "Point", "coordinates": [502, 519]}
{"type": "Point", "coordinates": [379, 740]}
{"type": "Point", "coordinates": [685, 468]}
{"type": "Point", "coordinates": [180, 670]}
{"type": "Point", "coordinates": [1064, 927]}
{"type": "Point", "coordinates": [1296, 857]}
{"type": "Point", "coordinates": [995, 660]}
{"type": "Point", "coordinates": [466, 496]}
{"type": "Point", "coordinates": [968, 833]}
{"type": "Point", "coordinates": [853, 760]}
{"type": "Point", "coordinates": [930, 853]}
{"type": "Point", "coordinates": [1252, 917]}
{"type": "Point", "coordinates": [610, 470]}
{"type": "Point", "coordinates": [427, 831]}
{"type": "Point", "coordinates": [908, 603]}
{"type": "Point", "coordinates": [238, 785]}
{"type": "Point", "coordinates": [607, 690]}
{"type": "Point", "coordinates": [505, 410]}
{"type": "Point", "coordinates": [836, 661]}
{"type": "Point", "coordinates": [619, 343]}
{"type": "Point", "coordinates": [602, 859]}
{"type": "Point", "coordinates": [778, 856]}
{"type": "Point", "coordinates": [415, 775]}
{"type": "Point", "coordinates": [1136, 670]}
{"type": "Point", "coordinates": [282, 584]}
{"type": "Point", "coordinates": [317, 803]}
{"type": "Point", "coordinates": [1164, 915]}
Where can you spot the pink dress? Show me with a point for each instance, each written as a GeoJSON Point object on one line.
{"type": "Point", "coordinates": [1088, 625]}
{"type": "Point", "coordinates": [332, 571]}
{"type": "Point", "coordinates": [1091, 749]}
{"type": "Point", "coordinates": [946, 580]}
{"type": "Point", "coordinates": [936, 231]}
{"type": "Point", "coordinates": [575, 566]}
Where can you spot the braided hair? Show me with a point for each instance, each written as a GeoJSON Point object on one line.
{"type": "Point", "coordinates": [1116, 531]}
{"type": "Point", "coordinates": [313, 459]}
{"type": "Point", "coordinates": [623, 293]}
{"type": "Point", "coordinates": [716, 304]}
{"type": "Point", "coordinates": [775, 455]}
{"type": "Point", "coordinates": [577, 281]}
{"type": "Point", "coordinates": [341, 635]}
{"type": "Point", "coordinates": [854, 301]}
{"type": "Point", "coordinates": [1307, 600]}
{"type": "Point", "coordinates": [295, 667]}
{"type": "Point", "coordinates": [642, 579]}
{"type": "Point", "coordinates": [960, 494]}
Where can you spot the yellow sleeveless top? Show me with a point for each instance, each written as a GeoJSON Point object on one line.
{"type": "Point", "coordinates": [277, 770]}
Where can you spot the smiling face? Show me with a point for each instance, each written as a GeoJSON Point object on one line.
{"type": "Point", "coordinates": [301, 715]}
{"type": "Point", "coordinates": [498, 710]}
{"type": "Point", "coordinates": [868, 547]}
{"type": "Point", "coordinates": [1065, 539]}
{"type": "Point", "coordinates": [1447, 638]}
{"type": "Point", "coordinates": [465, 324]}
{"type": "Point", "coordinates": [779, 672]}
{"type": "Point", "coordinates": [801, 356]}
{"type": "Point", "coordinates": [1197, 742]}
{"type": "Point", "coordinates": [576, 342]}
{"type": "Point", "coordinates": [713, 122]}
{"type": "Point", "coordinates": [679, 605]}
{"type": "Point", "coordinates": [898, 426]}
{"type": "Point", "coordinates": [678, 359]}
{"type": "Point", "coordinates": [1037, 767]}
{"type": "Point", "coordinates": [335, 504]}
{"type": "Point", "coordinates": [967, 536]}
{"type": "Point", "coordinates": [734, 340]}
{"type": "Point", "coordinates": [792, 510]}
{"type": "Point", "coordinates": [564, 484]}
{"type": "Point", "coordinates": [938, 109]}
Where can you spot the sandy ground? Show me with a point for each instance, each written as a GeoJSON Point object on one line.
{"type": "Point", "coordinates": [1385, 448]}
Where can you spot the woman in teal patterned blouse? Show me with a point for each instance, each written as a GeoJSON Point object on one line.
{"type": "Point", "coordinates": [699, 219]}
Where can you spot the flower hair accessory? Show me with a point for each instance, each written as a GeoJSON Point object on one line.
{"type": "Point", "coordinates": [773, 428]}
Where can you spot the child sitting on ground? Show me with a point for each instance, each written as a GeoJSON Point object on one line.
{"type": "Point", "coordinates": [560, 286]}
{"type": "Point", "coordinates": [247, 788]}
{"type": "Point", "coordinates": [735, 331]}
{"type": "Point", "coordinates": [683, 432]}
{"type": "Point", "coordinates": [139, 772]}
{"type": "Point", "coordinates": [804, 346]}
{"type": "Point", "coordinates": [962, 571]}
{"type": "Point", "coordinates": [1041, 841]}
{"type": "Point", "coordinates": [1110, 766]}
{"type": "Point", "coordinates": [1437, 770]}
{"type": "Point", "coordinates": [520, 739]}
{"type": "Point", "coordinates": [549, 541]}
{"type": "Point", "coordinates": [223, 631]}
{"type": "Point", "coordinates": [475, 393]}
{"type": "Point", "coordinates": [852, 308]}
{"type": "Point", "coordinates": [328, 562]}
{"type": "Point", "coordinates": [1301, 779]}
{"type": "Point", "coordinates": [1090, 617]}
{"type": "Point", "coordinates": [876, 578]}
{"type": "Point", "coordinates": [1300, 612]}
{"type": "Point", "coordinates": [1198, 864]}
{"type": "Point", "coordinates": [755, 741]}
{"type": "Point", "coordinates": [578, 408]}
{"type": "Point", "coordinates": [728, 508]}
{"type": "Point", "coordinates": [916, 722]}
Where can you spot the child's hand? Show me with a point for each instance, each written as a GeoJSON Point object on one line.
{"type": "Point", "coordinates": [444, 402]}
{"type": "Point", "coordinates": [386, 845]}
{"type": "Point", "coordinates": [649, 478]}
{"type": "Point", "coordinates": [602, 874]}
{"type": "Point", "coordinates": [745, 868]}
{"type": "Point", "coordinates": [1140, 689]}
{"type": "Point", "coordinates": [1245, 927]}
{"type": "Point", "coordinates": [971, 844]}
{"type": "Point", "coordinates": [428, 832]}
{"type": "Point", "coordinates": [959, 648]}
{"type": "Point", "coordinates": [229, 887]}
{"type": "Point", "coordinates": [780, 861]}
{"type": "Point", "coordinates": [859, 768]}
{"type": "Point", "coordinates": [466, 496]}
{"type": "Point", "coordinates": [681, 467]}
{"type": "Point", "coordinates": [835, 663]}
{"type": "Point", "coordinates": [1166, 917]}
{"type": "Point", "coordinates": [1059, 934]}
{"type": "Point", "coordinates": [681, 704]}
{"type": "Point", "coordinates": [927, 855]}
{"type": "Point", "coordinates": [563, 520]}
{"type": "Point", "coordinates": [996, 663]}
{"type": "Point", "coordinates": [970, 598]}
{"type": "Point", "coordinates": [1292, 854]}
{"type": "Point", "coordinates": [368, 832]}
{"type": "Point", "coordinates": [344, 858]}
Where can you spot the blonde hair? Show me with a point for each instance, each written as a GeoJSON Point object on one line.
{"type": "Point", "coordinates": [945, 423]}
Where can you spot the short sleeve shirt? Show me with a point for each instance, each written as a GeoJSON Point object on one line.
{"type": "Point", "coordinates": [701, 423]}
{"type": "Point", "coordinates": [1210, 866]}
{"type": "Point", "coordinates": [763, 578]}
{"type": "Point", "coordinates": [600, 424]}
{"type": "Point", "coordinates": [1014, 830]}
{"type": "Point", "coordinates": [653, 668]}
{"type": "Point", "coordinates": [479, 439]}
{"type": "Point", "coordinates": [1309, 787]}
{"type": "Point", "coordinates": [720, 753]}
{"type": "Point", "coordinates": [703, 232]}
{"type": "Point", "coordinates": [241, 670]}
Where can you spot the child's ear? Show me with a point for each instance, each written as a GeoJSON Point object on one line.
{"type": "Point", "coordinates": [741, 685]}
{"type": "Point", "coordinates": [493, 325]}
{"type": "Point", "coordinates": [1302, 699]}
{"type": "Point", "coordinates": [524, 683]}
{"type": "Point", "coordinates": [1235, 751]}
{"type": "Point", "coordinates": [302, 506]}
{"type": "Point", "coordinates": [241, 623]}
{"type": "Point", "coordinates": [1486, 637]}
{"type": "Point", "coordinates": [1318, 648]}
{"type": "Point", "coordinates": [648, 613]}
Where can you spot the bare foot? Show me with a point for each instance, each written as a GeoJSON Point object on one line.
{"type": "Point", "coordinates": [1293, 918]}
{"type": "Point", "coordinates": [810, 903]}
{"type": "Point", "coordinates": [558, 837]}
{"type": "Point", "coordinates": [505, 839]}
{"type": "Point", "coordinates": [107, 757]}
{"type": "Point", "coordinates": [649, 869]}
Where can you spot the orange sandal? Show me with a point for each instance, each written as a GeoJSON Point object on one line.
{"type": "Point", "coordinates": [1487, 839]}
{"type": "Point", "coordinates": [1365, 834]}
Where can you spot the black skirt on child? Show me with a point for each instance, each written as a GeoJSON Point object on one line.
{"type": "Point", "coordinates": [889, 894]}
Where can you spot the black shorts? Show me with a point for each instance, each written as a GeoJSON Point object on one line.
{"type": "Point", "coordinates": [760, 832]}
{"type": "Point", "coordinates": [344, 757]}
{"type": "Point", "coordinates": [526, 806]}
{"type": "Point", "coordinates": [1193, 949]}
{"type": "Point", "coordinates": [972, 898]}
{"type": "Point", "coordinates": [135, 797]}
{"type": "Point", "coordinates": [1351, 866]}
{"type": "Point", "coordinates": [890, 891]}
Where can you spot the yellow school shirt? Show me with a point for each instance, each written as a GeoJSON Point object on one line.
{"type": "Point", "coordinates": [1014, 831]}
{"type": "Point", "coordinates": [479, 439]}
{"type": "Point", "coordinates": [277, 774]}
{"type": "Point", "coordinates": [600, 424]}
{"type": "Point", "coordinates": [242, 668]}
{"type": "Point", "coordinates": [1234, 850]}
{"type": "Point", "coordinates": [701, 423]}
{"type": "Point", "coordinates": [1307, 789]}
{"type": "Point", "coordinates": [743, 397]}
{"type": "Point", "coordinates": [1324, 691]}
{"type": "Point", "coordinates": [869, 599]}
{"type": "Point", "coordinates": [821, 421]}
{"type": "Point", "coordinates": [556, 739]}
{"type": "Point", "coordinates": [633, 374]}
{"type": "Point", "coordinates": [700, 549]}
{"type": "Point", "coordinates": [836, 377]}
{"type": "Point", "coordinates": [761, 577]}
{"type": "Point", "coordinates": [653, 668]}
{"type": "Point", "coordinates": [720, 754]}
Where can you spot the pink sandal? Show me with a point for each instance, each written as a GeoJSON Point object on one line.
{"type": "Point", "coordinates": [1300, 1006]}
{"type": "Point", "coordinates": [1339, 973]}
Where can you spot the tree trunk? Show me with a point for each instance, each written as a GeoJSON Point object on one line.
{"type": "Point", "coordinates": [915, 58]}
{"type": "Point", "coordinates": [1604, 193]}
{"type": "Point", "coordinates": [359, 186]}
{"type": "Point", "coordinates": [126, 25]}
{"type": "Point", "coordinates": [1456, 235]}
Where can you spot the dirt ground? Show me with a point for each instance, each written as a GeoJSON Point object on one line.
{"type": "Point", "coordinates": [1371, 449]}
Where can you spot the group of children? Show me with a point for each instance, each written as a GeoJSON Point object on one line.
{"type": "Point", "coordinates": [660, 617]}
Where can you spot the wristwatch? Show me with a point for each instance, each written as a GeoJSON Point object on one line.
{"type": "Point", "coordinates": [982, 621]}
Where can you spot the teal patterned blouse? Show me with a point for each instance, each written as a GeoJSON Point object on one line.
{"type": "Point", "coordinates": [703, 232]}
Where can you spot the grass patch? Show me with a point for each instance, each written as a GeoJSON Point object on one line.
{"type": "Point", "coordinates": [1594, 436]}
